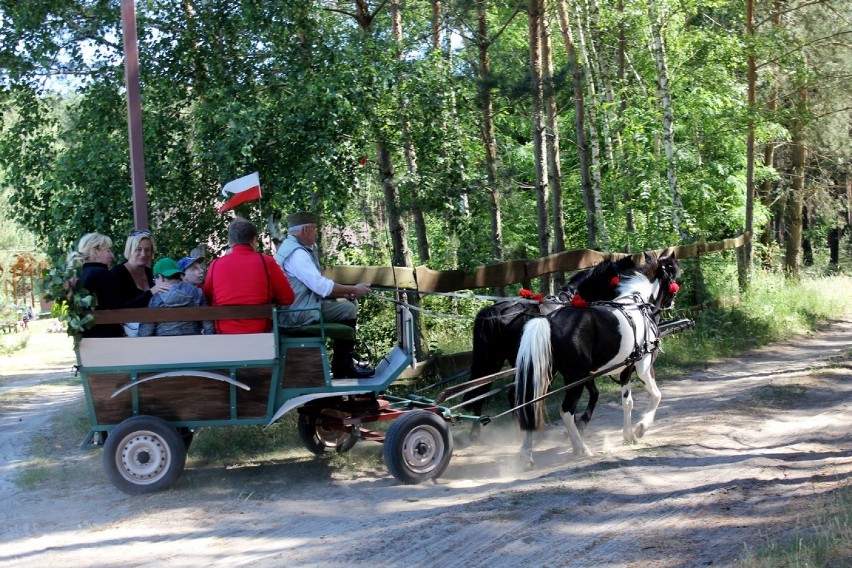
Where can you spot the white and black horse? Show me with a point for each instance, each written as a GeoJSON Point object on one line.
{"type": "Point", "coordinates": [497, 329]}
{"type": "Point", "coordinates": [579, 342]}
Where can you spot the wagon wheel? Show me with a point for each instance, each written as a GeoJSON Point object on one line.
{"type": "Point", "coordinates": [323, 432]}
{"type": "Point", "coordinates": [144, 454]}
{"type": "Point", "coordinates": [418, 446]}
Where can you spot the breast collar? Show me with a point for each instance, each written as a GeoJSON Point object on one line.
{"type": "Point", "coordinates": [649, 315]}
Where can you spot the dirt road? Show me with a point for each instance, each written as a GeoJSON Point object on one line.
{"type": "Point", "coordinates": [740, 452]}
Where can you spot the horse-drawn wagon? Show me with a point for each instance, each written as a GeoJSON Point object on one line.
{"type": "Point", "coordinates": [147, 395]}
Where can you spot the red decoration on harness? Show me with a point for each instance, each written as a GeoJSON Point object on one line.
{"type": "Point", "coordinates": [614, 281]}
{"type": "Point", "coordinates": [577, 301]}
{"type": "Point", "coordinates": [673, 288]}
{"type": "Point", "coordinates": [530, 296]}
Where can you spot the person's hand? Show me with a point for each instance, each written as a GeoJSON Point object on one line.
{"type": "Point", "coordinates": [161, 287]}
{"type": "Point", "coordinates": [361, 289]}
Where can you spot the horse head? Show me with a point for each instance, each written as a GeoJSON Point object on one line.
{"type": "Point", "coordinates": [599, 283]}
{"type": "Point", "coordinates": [665, 271]}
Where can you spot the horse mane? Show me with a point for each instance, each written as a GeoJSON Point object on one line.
{"type": "Point", "coordinates": [650, 267]}
{"type": "Point", "coordinates": [634, 283]}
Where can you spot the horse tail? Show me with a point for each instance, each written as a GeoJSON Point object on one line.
{"type": "Point", "coordinates": [533, 373]}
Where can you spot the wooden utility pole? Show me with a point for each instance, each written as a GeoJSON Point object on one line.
{"type": "Point", "coordinates": [134, 114]}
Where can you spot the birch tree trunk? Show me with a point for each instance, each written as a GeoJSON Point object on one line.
{"type": "Point", "coordinates": [767, 232]}
{"type": "Point", "coordinates": [395, 221]}
{"type": "Point", "coordinates": [594, 140]}
{"type": "Point", "coordinates": [551, 125]}
{"type": "Point", "coordinates": [579, 125]}
{"type": "Point", "coordinates": [668, 115]}
{"type": "Point", "coordinates": [751, 78]}
{"type": "Point", "coordinates": [408, 149]}
{"type": "Point", "coordinates": [603, 79]}
{"type": "Point", "coordinates": [623, 165]}
{"type": "Point", "coordinates": [534, 11]}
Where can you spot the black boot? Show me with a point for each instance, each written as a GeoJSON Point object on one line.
{"type": "Point", "coordinates": [343, 364]}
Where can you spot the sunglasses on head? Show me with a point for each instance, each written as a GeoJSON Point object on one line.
{"type": "Point", "coordinates": [140, 232]}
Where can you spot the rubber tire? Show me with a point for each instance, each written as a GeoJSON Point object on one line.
{"type": "Point", "coordinates": [418, 447]}
{"type": "Point", "coordinates": [320, 440]}
{"type": "Point", "coordinates": [144, 438]}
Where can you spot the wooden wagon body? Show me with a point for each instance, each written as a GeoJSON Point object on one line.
{"type": "Point", "coordinates": [180, 383]}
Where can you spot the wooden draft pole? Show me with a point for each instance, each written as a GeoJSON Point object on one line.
{"type": "Point", "coordinates": [134, 114]}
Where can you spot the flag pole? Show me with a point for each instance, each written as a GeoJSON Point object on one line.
{"type": "Point", "coordinates": [134, 114]}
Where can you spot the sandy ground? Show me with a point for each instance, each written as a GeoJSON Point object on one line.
{"type": "Point", "coordinates": [741, 453]}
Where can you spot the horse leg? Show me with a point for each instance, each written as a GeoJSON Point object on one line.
{"type": "Point", "coordinates": [583, 420]}
{"type": "Point", "coordinates": [645, 368]}
{"type": "Point", "coordinates": [480, 369]}
{"type": "Point", "coordinates": [527, 450]}
{"type": "Point", "coordinates": [627, 403]}
{"type": "Point", "coordinates": [567, 412]}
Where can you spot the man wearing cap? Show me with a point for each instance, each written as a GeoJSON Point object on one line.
{"type": "Point", "coordinates": [180, 295]}
{"type": "Point", "coordinates": [193, 269]}
{"type": "Point", "coordinates": [299, 257]}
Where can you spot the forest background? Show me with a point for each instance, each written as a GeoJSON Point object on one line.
{"type": "Point", "coordinates": [445, 133]}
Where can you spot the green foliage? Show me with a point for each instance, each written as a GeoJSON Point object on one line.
{"type": "Point", "coordinates": [62, 285]}
{"type": "Point", "coordinates": [728, 322]}
{"type": "Point", "coordinates": [302, 94]}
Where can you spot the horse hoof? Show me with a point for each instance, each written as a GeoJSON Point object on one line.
{"type": "Point", "coordinates": [475, 431]}
{"type": "Point", "coordinates": [639, 431]}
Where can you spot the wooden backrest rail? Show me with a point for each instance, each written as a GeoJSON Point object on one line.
{"type": "Point", "coordinates": [200, 313]}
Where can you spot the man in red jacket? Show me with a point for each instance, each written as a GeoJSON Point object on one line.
{"type": "Point", "coordinates": [245, 277]}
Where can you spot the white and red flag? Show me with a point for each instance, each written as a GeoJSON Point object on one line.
{"type": "Point", "coordinates": [239, 191]}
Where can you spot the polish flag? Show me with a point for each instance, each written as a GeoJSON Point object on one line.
{"type": "Point", "coordinates": [239, 191]}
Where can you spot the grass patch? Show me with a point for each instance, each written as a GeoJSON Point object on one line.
{"type": "Point", "coordinates": [56, 459]}
{"type": "Point", "coordinates": [775, 396]}
{"type": "Point", "coordinates": [773, 309]}
{"type": "Point", "coordinates": [825, 540]}
{"type": "Point", "coordinates": [12, 342]}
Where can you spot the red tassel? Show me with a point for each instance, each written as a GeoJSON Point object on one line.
{"type": "Point", "coordinates": [577, 301]}
{"type": "Point", "coordinates": [526, 293]}
{"type": "Point", "coordinates": [673, 288]}
{"type": "Point", "coordinates": [538, 297]}
{"type": "Point", "coordinates": [614, 281]}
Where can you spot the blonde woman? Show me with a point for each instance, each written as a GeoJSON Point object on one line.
{"type": "Point", "coordinates": [134, 279]}
{"type": "Point", "coordinates": [94, 255]}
